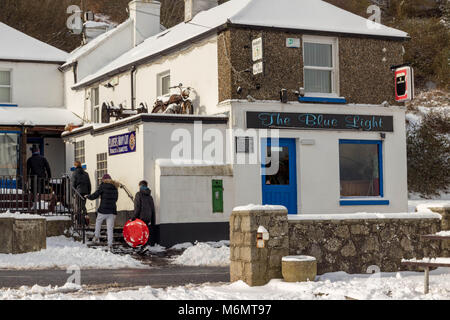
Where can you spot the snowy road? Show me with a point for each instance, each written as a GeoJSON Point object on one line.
{"type": "Point", "coordinates": [172, 275]}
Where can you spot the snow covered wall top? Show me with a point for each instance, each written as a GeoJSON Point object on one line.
{"type": "Point", "coordinates": [19, 46]}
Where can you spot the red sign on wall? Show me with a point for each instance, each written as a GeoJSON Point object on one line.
{"type": "Point", "coordinates": [404, 84]}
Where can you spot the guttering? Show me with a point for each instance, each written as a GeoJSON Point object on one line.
{"type": "Point", "coordinates": [149, 118]}
{"type": "Point", "coordinates": [150, 58]}
{"type": "Point", "coordinates": [32, 61]}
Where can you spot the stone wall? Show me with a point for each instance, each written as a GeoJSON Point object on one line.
{"type": "Point", "coordinates": [22, 235]}
{"type": "Point", "coordinates": [354, 245]}
{"type": "Point", "coordinates": [58, 226]}
{"type": "Point", "coordinates": [364, 66]}
{"type": "Point", "coordinates": [256, 266]}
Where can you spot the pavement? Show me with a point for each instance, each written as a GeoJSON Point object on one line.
{"type": "Point", "coordinates": [157, 277]}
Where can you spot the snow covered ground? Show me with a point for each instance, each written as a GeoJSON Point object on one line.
{"type": "Point", "coordinates": [205, 254]}
{"type": "Point", "coordinates": [64, 252]}
{"type": "Point", "coordinates": [331, 286]}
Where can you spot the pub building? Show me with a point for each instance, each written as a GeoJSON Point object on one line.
{"type": "Point", "coordinates": [317, 76]}
{"type": "Point", "coordinates": [32, 108]}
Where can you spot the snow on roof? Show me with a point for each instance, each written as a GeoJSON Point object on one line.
{"type": "Point", "coordinates": [82, 50]}
{"type": "Point", "coordinates": [314, 15]}
{"type": "Point", "coordinates": [94, 43]}
{"type": "Point", "coordinates": [17, 45]}
{"type": "Point", "coordinates": [38, 116]}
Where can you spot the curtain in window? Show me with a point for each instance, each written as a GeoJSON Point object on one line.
{"type": "Point", "coordinates": [5, 90]}
{"type": "Point", "coordinates": [8, 154]}
{"type": "Point", "coordinates": [165, 85]}
{"type": "Point", "coordinates": [318, 55]}
{"type": "Point", "coordinates": [317, 80]}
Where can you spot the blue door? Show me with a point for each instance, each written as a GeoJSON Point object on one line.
{"type": "Point", "coordinates": [279, 173]}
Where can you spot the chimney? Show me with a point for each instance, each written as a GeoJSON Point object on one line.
{"type": "Point", "coordinates": [146, 16]}
{"type": "Point", "coordinates": [192, 7]}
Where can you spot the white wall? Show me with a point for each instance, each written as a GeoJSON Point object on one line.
{"type": "Point", "coordinates": [318, 186]}
{"type": "Point", "coordinates": [35, 84]}
{"type": "Point", "coordinates": [55, 152]}
{"type": "Point", "coordinates": [196, 67]}
{"type": "Point", "coordinates": [125, 168]}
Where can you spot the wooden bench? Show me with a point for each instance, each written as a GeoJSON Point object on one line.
{"type": "Point", "coordinates": [426, 264]}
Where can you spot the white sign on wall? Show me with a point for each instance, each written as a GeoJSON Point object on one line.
{"type": "Point", "coordinates": [258, 68]}
{"type": "Point", "coordinates": [257, 49]}
{"type": "Point", "coordinates": [293, 42]}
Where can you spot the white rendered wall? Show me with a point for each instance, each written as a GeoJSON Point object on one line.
{"type": "Point", "coordinates": [35, 84]}
{"type": "Point", "coordinates": [318, 184]}
{"type": "Point", "coordinates": [55, 153]}
{"type": "Point", "coordinates": [195, 67]}
{"type": "Point", "coordinates": [125, 168]}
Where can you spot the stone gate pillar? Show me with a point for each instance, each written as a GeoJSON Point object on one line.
{"type": "Point", "coordinates": [253, 265]}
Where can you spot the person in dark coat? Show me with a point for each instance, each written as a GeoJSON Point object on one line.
{"type": "Point", "coordinates": [144, 208]}
{"type": "Point", "coordinates": [82, 184]}
{"type": "Point", "coordinates": [109, 194]}
{"type": "Point", "coordinates": [38, 170]}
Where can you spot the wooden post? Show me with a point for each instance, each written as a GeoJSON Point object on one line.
{"type": "Point", "coordinates": [427, 280]}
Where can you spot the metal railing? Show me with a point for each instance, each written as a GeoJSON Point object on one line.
{"type": "Point", "coordinates": [35, 195]}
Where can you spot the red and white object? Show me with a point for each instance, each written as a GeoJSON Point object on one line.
{"type": "Point", "coordinates": [404, 84]}
{"type": "Point", "coordinates": [136, 233]}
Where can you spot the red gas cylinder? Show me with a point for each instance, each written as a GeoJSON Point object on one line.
{"type": "Point", "coordinates": [136, 233]}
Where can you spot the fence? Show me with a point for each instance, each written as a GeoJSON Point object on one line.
{"type": "Point", "coordinates": [43, 196]}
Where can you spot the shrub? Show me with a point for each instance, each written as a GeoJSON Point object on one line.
{"type": "Point", "coordinates": [428, 148]}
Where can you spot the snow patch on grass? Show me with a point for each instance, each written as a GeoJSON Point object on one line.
{"type": "Point", "coordinates": [64, 252]}
{"type": "Point", "coordinates": [205, 254]}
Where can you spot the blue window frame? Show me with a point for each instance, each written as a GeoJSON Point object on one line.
{"type": "Point", "coordinates": [361, 172]}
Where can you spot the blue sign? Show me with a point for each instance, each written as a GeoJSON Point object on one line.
{"type": "Point", "coordinates": [123, 143]}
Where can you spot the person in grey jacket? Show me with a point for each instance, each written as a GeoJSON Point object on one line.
{"type": "Point", "coordinates": [144, 207]}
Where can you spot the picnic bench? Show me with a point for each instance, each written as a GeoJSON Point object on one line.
{"type": "Point", "coordinates": [428, 263]}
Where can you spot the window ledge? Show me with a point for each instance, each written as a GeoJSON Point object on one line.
{"type": "Point", "coordinates": [364, 202]}
{"type": "Point", "coordinates": [340, 100]}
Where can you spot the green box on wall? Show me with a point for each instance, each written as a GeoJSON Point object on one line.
{"type": "Point", "coordinates": [217, 195]}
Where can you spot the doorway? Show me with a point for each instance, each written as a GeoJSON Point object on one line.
{"type": "Point", "coordinates": [279, 173]}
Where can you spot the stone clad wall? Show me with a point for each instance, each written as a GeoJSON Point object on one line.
{"type": "Point", "coordinates": [354, 245]}
{"type": "Point", "coordinates": [338, 243]}
{"type": "Point", "coordinates": [364, 66]}
{"type": "Point", "coordinates": [256, 266]}
{"type": "Point", "coordinates": [22, 235]}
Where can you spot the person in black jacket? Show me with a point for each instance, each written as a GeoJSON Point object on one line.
{"type": "Point", "coordinates": [108, 193]}
{"type": "Point", "coordinates": [38, 170]}
{"type": "Point", "coordinates": [81, 183]}
{"type": "Point", "coordinates": [144, 208]}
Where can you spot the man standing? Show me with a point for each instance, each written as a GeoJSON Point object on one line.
{"type": "Point", "coordinates": [38, 170]}
{"type": "Point", "coordinates": [144, 208]}
{"type": "Point", "coordinates": [82, 184]}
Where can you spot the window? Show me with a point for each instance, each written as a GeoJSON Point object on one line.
{"type": "Point", "coordinates": [320, 66]}
{"type": "Point", "coordinates": [9, 154]}
{"type": "Point", "coordinates": [164, 83]}
{"type": "Point", "coordinates": [5, 86]}
{"type": "Point", "coordinates": [360, 168]}
{"type": "Point", "coordinates": [79, 151]}
{"type": "Point", "coordinates": [102, 167]}
{"type": "Point", "coordinates": [95, 105]}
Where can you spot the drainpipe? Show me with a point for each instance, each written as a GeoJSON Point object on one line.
{"type": "Point", "coordinates": [133, 87]}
